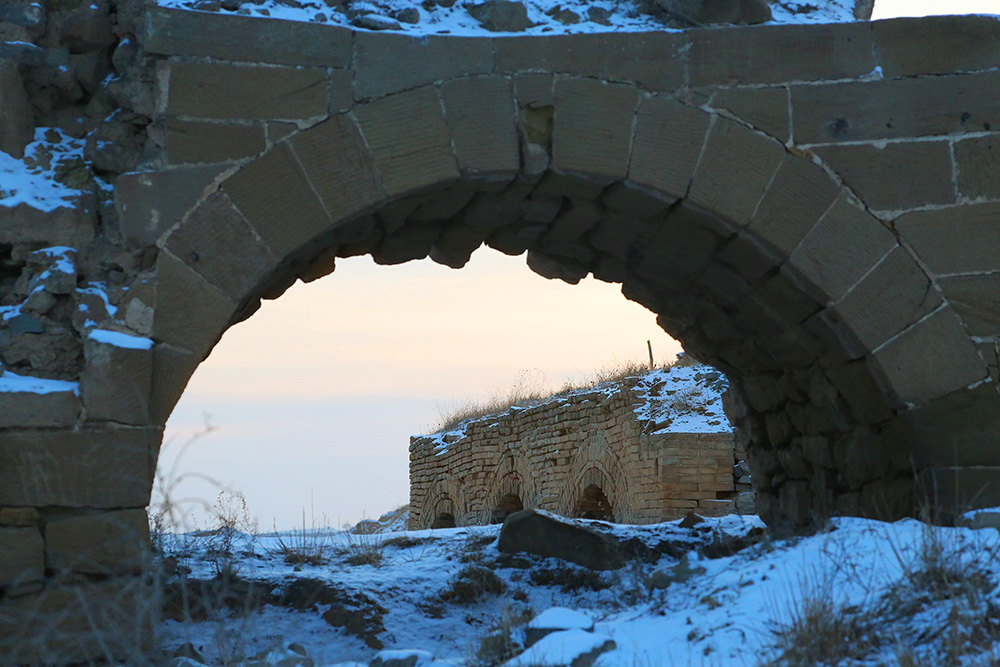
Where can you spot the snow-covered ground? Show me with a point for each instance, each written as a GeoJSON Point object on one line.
{"type": "Point", "coordinates": [859, 592]}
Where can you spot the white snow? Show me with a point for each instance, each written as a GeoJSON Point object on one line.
{"type": "Point", "coordinates": [559, 649]}
{"type": "Point", "coordinates": [683, 399]}
{"type": "Point", "coordinates": [562, 619]}
{"type": "Point", "coordinates": [32, 180]}
{"type": "Point", "coordinates": [119, 339]}
{"type": "Point", "coordinates": [12, 382]}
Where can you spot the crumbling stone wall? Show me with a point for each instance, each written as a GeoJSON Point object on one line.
{"type": "Point", "coordinates": [547, 456]}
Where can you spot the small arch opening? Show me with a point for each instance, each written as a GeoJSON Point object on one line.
{"type": "Point", "coordinates": [593, 504]}
{"type": "Point", "coordinates": [444, 520]}
{"type": "Point", "coordinates": [507, 505]}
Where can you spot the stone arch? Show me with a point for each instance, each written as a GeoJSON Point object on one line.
{"type": "Point", "coordinates": [754, 256]}
{"type": "Point", "coordinates": [513, 476]}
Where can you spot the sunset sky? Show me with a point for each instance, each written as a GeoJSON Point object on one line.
{"type": "Point", "coordinates": [314, 398]}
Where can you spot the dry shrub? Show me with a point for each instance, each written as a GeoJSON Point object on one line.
{"type": "Point", "coordinates": [308, 546]}
{"type": "Point", "coordinates": [472, 583]}
{"type": "Point", "coordinates": [364, 549]}
{"type": "Point", "coordinates": [529, 388]}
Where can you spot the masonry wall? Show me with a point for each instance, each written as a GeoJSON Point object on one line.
{"type": "Point", "coordinates": [547, 454]}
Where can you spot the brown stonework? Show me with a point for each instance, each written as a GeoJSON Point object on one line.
{"type": "Point", "coordinates": [151, 202]}
{"type": "Point", "coordinates": [764, 108]}
{"type": "Point", "coordinates": [936, 44]}
{"type": "Point", "coordinates": [194, 142]}
{"type": "Point", "coordinates": [108, 543]}
{"type": "Point", "coordinates": [480, 115]}
{"type": "Point", "coordinates": [24, 408]}
{"type": "Point", "coordinates": [669, 137]}
{"type": "Point", "coordinates": [117, 381]}
{"type": "Point", "coordinates": [957, 239]}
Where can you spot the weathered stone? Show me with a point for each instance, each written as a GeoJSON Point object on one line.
{"type": "Point", "coordinates": [172, 368]}
{"type": "Point", "coordinates": [800, 194]}
{"type": "Point", "coordinates": [764, 108]}
{"type": "Point", "coordinates": [249, 92]}
{"type": "Point", "coordinates": [409, 140]}
{"type": "Point", "coordinates": [854, 382]}
{"type": "Point", "coordinates": [32, 409]}
{"type": "Point", "coordinates": [190, 313]}
{"type": "Point", "coordinates": [772, 54]}
{"type": "Point", "coordinates": [375, 22]}
{"type": "Point", "coordinates": [895, 108]}
{"type": "Point", "coordinates": [411, 241]}
{"type": "Point", "coordinates": [501, 15]}
{"type": "Point", "coordinates": [957, 239]}
{"type": "Point", "coordinates": [22, 557]}
{"type": "Point", "coordinates": [548, 266]}
{"type": "Point", "coordinates": [931, 359]}
{"type": "Point", "coordinates": [176, 32]}
{"type": "Point", "coordinates": [480, 115]}
{"type": "Point", "coordinates": [194, 142]}
{"type": "Point", "coordinates": [711, 12]}
{"type": "Point", "coordinates": [217, 242]}
{"type": "Point", "coordinates": [17, 119]}
{"type": "Point", "coordinates": [735, 171]}
{"type": "Point", "coordinates": [936, 44]}
{"type": "Point", "coordinates": [896, 176]}
{"type": "Point", "coordinates": [116, 382]}
{"type": "Point", "coordinates": [429, 58]}
{"type": "Point", "coordinates": [532, 532]}
{"type": "Point", "coordinates": [748, 256]}
{"type": "Point", "coordinates": [70, 225]}
{"type": "Point", "coordinates": [19, 516]}
{"type": "Point", "coordinates": [108, 543]}
{"type": "Point", "coordinates": [976, 299]}
{"type": "Point", "coordinates": [841, 248]}
{"type": "Point", "coordinates": [91, 467]}
{"type": "Point", "coordinates": [151, 202]}
{"type": "Point", "coordinates": [593, 128]}
{"type": "Point", "coordinates": [978, 163]}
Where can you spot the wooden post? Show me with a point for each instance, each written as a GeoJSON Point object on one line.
{"type": "Point", "coordinates": [649, 345]}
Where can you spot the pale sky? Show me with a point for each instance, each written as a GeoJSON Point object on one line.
{"type": "Point", "coordinates": [315, 396]}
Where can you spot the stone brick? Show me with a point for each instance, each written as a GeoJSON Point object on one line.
{"type": "Point", "coordinates": [91, 467]}
{"type": "Point", "coordinates": [932, 359]}
{"type": "Point", "coordinates": [19, 516]}
{"type": "Point", "coordinates": [117, 381]}
{"type": "Point", "coordinates": [957, 239]}
{"type": "Point", "coordinates": [976, 299]}
{"type": "Point", "coordinates": [22, 557]}
{"type": "Point", "coordinates": [217, 242]}
{"type": "Point", "coordinates": [151, 202]}
{"type": "Point", "coordinates": [379, 59]}
{"type": "Point", "coordinates": [895, 109]}
{"type": "Point", "coordinates": [764, 108]}
{"type": "Point", "coordinates": [553, 267]}
{"type": "Point", "coordinates": [82, 623]}
{"type": "Point", "coordinates": [748, 256]}
{"type": "Point", "coordinates": [936, 44]}
{"type": "Point", "coordinates": [735, 171]}
{"type": "Point", "coordinates": [31, 409]}
{"type": "Point", "coordinates": [17, 119]}
{"type": "Point", "coordinates": [172, 369]}
{"type": "Point", "coordinates": [653, 60]}
{"type": "Point", "coordinates": [956, 490]}
{"type": "Point", "coordinates": [893, 296]}
{"type": "Point", "coordinates": [669, 137]}
{"type": "Point", "coordinates": [773, 54]}
{"type": "Point", "coordinates": [409, 140]}
{"type": "Point", "coordinates": [411, 241]}
{"type": "Point", "coordinates": [248, 92]}
{"type": "Point", "coordinates": [108, 543]}
{"type": "Point", "coordinates": [853, 380]}
{"type": "Point", "coordinates": [898, 176]}
{"type": "Point", "coordinates": [800, 194]}
{"type": "Point", "coordinates": [480, 113]}
{"type": "Point", "coordinates": [193, 142]}
{"type": "Point", "coordinates": [978, 163]}
{"type": "Point", "coordinates": [175, 32]}
{"type": "Point", "coordinates": [275, 196]}
{"type": "Point", "coordinates": [841, 248]}
{"type": "Point", "coordinates": [534, 89]}
{"type": "Point", "coordinates": [190, 313]}
{"type": "Point", "coordinates": [592, 134]}
{"type": "Point", "coordinates": [71, 225]}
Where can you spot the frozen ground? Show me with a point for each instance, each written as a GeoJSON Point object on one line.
{"type": "Point", "coordinates": [720, 592]}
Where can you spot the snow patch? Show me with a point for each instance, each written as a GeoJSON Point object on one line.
{"type": "Point", "coordinates": [11, 382]}
{"type": "Point", "coordinates": [33, 180]}
{"type": "Point", "coordinates": [119, 339]}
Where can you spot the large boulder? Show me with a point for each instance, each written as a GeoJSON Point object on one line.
{"type": "Point", "coordinates": [533, 532]}
{"type": "Point", "coordinates": [501, 15]}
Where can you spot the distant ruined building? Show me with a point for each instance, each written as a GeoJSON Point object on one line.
{"type": "Point", "coordinates": [642, 450]}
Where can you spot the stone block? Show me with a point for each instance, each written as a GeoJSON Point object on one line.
{"type": "Point", "coordinates": [764, 108]}
{"type": "Point", "coordinates": [92, 467]}
{"type": "Point", "coordinates": [893, 296]}
{"type": "Point", "coordinates": [82, 623]}
{"type": "Point", "coordinates": [276, 198]}
{"type": "Point", "coordinates": [896, 176]}
{"type": "Point", "coordinates": [411, 241]}
{"type": "Point", "coordinates": [957, 239]}
{"type": "Point", "coordinates": [194, 142]}
{"type": "Point", "coordinates": [553, 267]}
{"type": "Point", "coordinates": [653, 60]}
{"type": "Point", "coordinates": [978, 163]}
{"type": "Point", "coordinates": [592, 131]}
{"type": "Point", "coordinates": [853, 380]}
{"type": "Point", "coordinates": [19, 516]}
{"type": "Point", "coordinates": [17, 119]}
{"type": "Point", "coordinates": [24, 409]}
{"type": "Point", "coordinates": [748, 256]}
{"type": "Point", "coordinates": [841, 248]}
{"type": "Point", "coordinates": [70, 225]}
{"type": "Point", "coordinates": [428, 58]}
{"type": "Point", "coordinates": [151, 202]}
{"type": "Point", "coordinates": [534, 89]}
{"type": "Point", "coordinates": [22, 557]}
{"type": "Point", "coordinates": [773, 54]}
{"type": "Point", "coordinates": [217, 242]}
{"type": "Point", "coordinates": [932, 359]}
{"type": "Point", "coordinates": [956, 490]}
{"type": "Point", "coordinates": [936, 44]}
{"type": "Point", "coordinates": [669, 137]}
{"type": "Point", "coordinates": [116, 382]}
{"type": "Point", "coordinates": [172, 369]}
{"type": "Point", "coordinates": [108, 543]}
{"type": "Point", "coordinates": [190, 313]}
{"type": "Point", "coordinates": [175, 32]}
{"type": "Point", "coordinates": [800, 194]}
{"type": "Point", "coordinates": [976, 299]}
{"type": "Point", "coordinates": [895, 108]}
{"type": "Point", "coordinates": [677, 246]}
{"type": "Point", "coordinates": [480, 114]}
{"type": "Point", "coordinates": [248, 92]}
{"type": "Point", "coordinates": [735, 171]}
{"type": "Point", "coordinates": [409, 139]}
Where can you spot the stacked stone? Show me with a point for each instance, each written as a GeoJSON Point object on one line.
{"type": "Point", "coordinates": [547, 454]}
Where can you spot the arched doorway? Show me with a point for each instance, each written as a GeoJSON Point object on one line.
{"type": "Point", "coordinates": [593, 504]}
